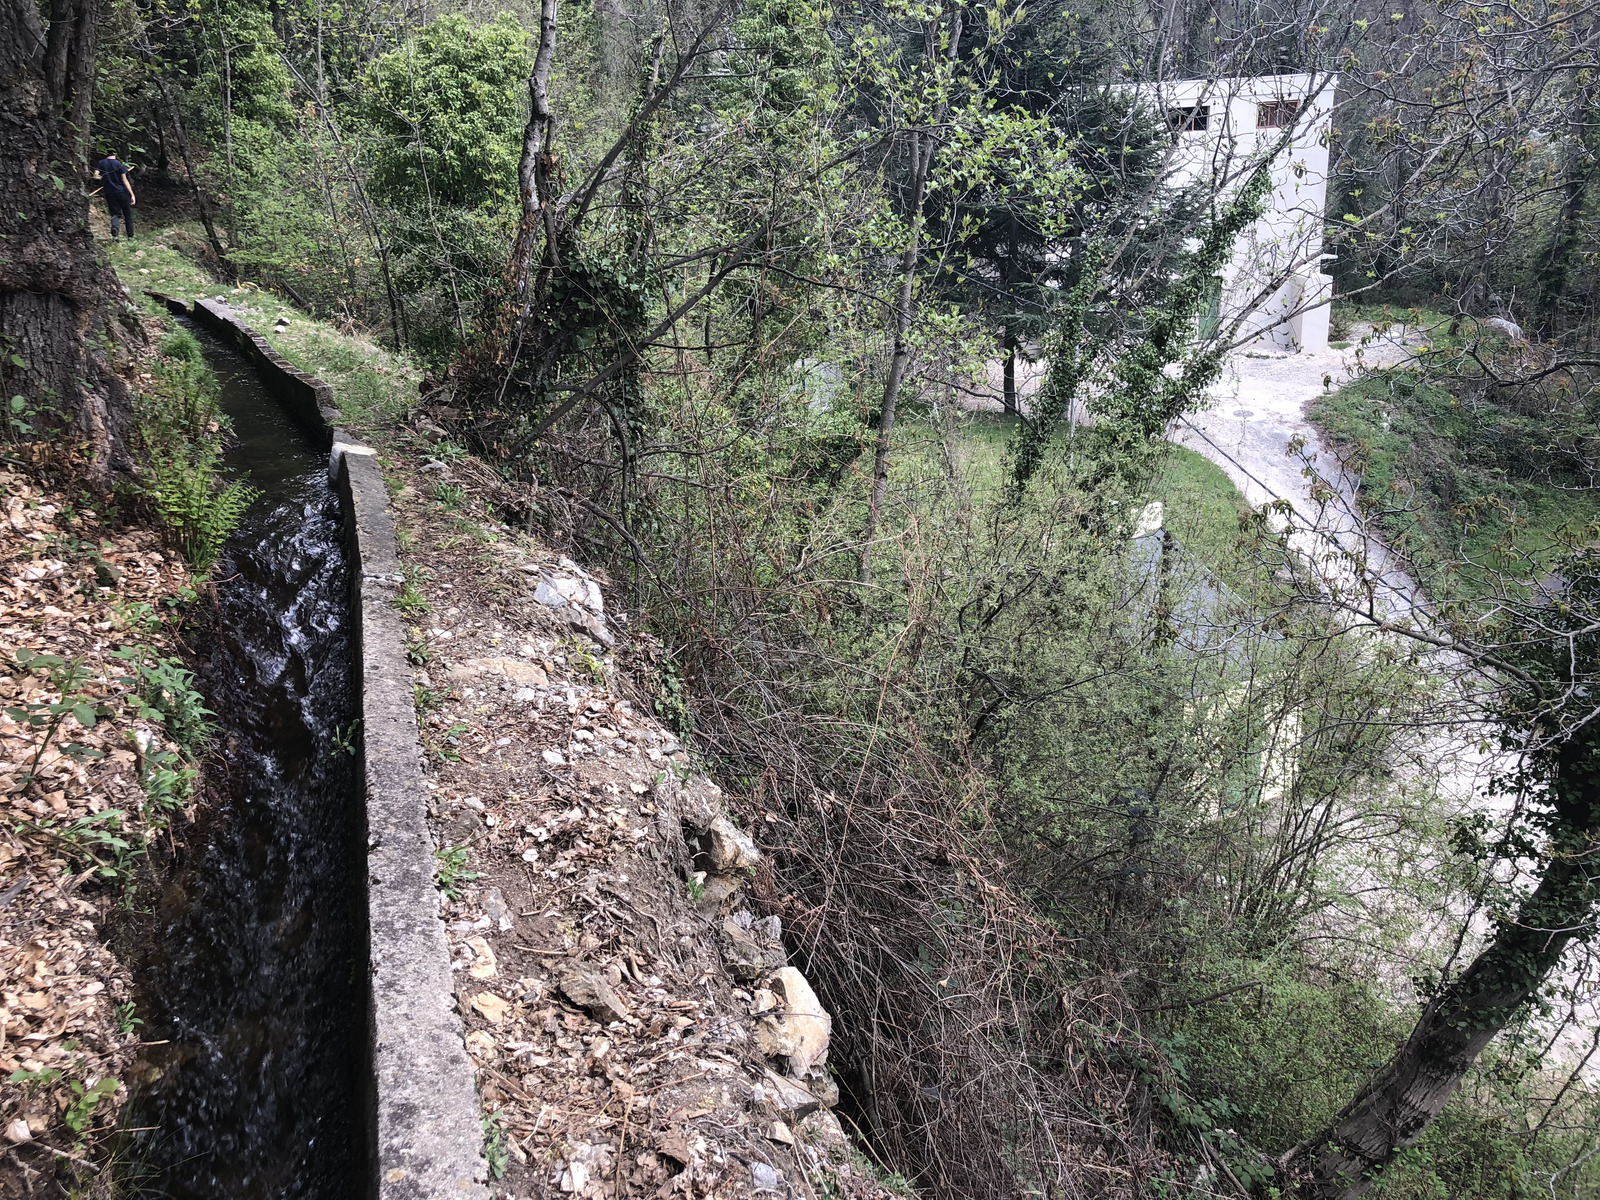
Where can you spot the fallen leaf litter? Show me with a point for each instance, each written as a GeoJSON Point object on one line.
{"type": "Point", "coordinates": [73, 589]}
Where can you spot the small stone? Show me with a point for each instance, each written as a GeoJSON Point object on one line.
{"type": "Point", "coordinates": [494, 903]}
{"type": "Point", "coordinates": [789, 1096]}
{"type": "Point", "coordinates": [821, 1085]}
{"type": "Point", "coordinates": [698, 802]}
{"type": "Point", "coordinates": [590, 991]}
{"type": "Point", "coordinates": [714, 889]}
{"type": "Point", "coordinates": [780, 1133]}
{"type": "Point", "coordinates": [491, 1007]}
{"type": "Point", "coordinates": [525, 694]}
{"type": "Point", "coordinates": [763, 1177]}
{"type": "Point", "coordinates": [747, 956]}
{"type": "Point", "coordinates": [484, 964]}
{"type": "Point", "coordinates": [552, 758]}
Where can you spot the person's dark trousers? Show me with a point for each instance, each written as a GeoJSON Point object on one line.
{"type": "Point", "coordinates": [121, 210]}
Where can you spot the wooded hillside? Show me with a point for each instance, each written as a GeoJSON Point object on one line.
{"type": "Point", "coordinates": [1136, 849]}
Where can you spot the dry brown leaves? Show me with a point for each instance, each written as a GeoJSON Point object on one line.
{"type": "Point", "coordinates": [72, 590]}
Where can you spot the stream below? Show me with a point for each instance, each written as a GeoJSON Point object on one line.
{"type": "Point", "coordinates": [254, 977]}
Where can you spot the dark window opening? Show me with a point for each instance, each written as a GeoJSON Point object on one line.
{"type": "Point", "coordinates": [1196, 118]}
{"type": "Point", "coordinates": [1277, 114]}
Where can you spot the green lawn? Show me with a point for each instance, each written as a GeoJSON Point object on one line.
{"type": "Point", "coordinates": [1201, 506]}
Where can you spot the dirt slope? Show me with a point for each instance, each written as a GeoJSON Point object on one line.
{"type": "Point", "coordinates": [89, 781]}
{"type": "Point", "coordinates": [634, 1027]}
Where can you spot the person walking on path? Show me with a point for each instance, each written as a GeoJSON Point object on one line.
{"type": "Point", "coordinates": [119, 191]}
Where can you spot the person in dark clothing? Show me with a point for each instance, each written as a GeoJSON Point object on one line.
{"type": "Point", "coordinates": [118, 184]}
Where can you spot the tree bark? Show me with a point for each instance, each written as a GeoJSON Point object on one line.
{"type": "Point", "coordinates": [1398, 1103]}
{"type": "Point", "coordinates": [536, 235]}
{"type": "Point", "coordinates": [1009, 385]}
{"type": "Point", "coordinates": [57, 330]}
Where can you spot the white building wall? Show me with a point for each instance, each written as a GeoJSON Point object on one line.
{"type": "Point", "coordinates": [1275, 279]}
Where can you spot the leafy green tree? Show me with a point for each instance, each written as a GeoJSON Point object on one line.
{"type": "Point", "coordinates": [1015, 261]}
{"type": "Point", "coordinates": [446, 108]}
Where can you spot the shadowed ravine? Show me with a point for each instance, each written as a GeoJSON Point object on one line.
{"type": "Point", "coordinates": [253, 975]}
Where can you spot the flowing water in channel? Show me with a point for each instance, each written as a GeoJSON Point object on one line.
{"type": "Point", "coordinates": [254, 972]}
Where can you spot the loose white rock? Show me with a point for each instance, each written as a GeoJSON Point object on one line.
{"type": "Point", "coordinates": [800, 1029]}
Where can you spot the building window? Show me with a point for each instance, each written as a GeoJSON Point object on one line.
{"type": "Point", "coordinates": [1196, 118]}
{"type": "Point", "coordinates": [1277, 114]}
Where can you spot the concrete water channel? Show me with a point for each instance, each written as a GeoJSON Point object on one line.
{"type": "Point", "coordinates": [297, 981]}
{"type": "Point", "coordinates": [254, 971]}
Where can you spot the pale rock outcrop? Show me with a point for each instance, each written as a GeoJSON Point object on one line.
{"type": "Point", "coordinates": [512, 671]}
{"type": "Point", "coordinates": [574, 593]}
{"type": "Point", "coordinates": [727, 848]}
{"type": "Point", "coordinates": [797, 1028]}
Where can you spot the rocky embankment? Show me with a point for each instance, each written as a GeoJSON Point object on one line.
{"type": "Point", "coordinates": [628, 1005]}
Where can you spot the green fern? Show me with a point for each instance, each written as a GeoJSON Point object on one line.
{"type": "Point", "coordinates": [181, 424]}
{"type": "Point", "coordinates": [198, 512]}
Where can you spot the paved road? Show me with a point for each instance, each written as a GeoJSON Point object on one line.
{"type": "Point", "coordinates": [1255, 429]}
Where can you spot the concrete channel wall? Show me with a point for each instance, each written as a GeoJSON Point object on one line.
{"type": "Point", "coordinates": [424, 1127]}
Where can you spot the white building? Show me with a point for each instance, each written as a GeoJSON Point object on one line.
{"type": "Point", "coordinates": [1225, 127]}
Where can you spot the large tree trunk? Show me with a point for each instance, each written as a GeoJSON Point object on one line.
{"type": "Point", "coordinates": [56, 297]}
{"type": "Point", "coordinates": [1399, 1102]}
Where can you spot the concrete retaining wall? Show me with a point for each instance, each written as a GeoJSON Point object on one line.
{"type": "Point", "coordinates": [424, 1125]}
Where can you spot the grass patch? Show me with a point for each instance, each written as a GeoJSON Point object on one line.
{"type": "Point", "coordinates": [1202, 507]}
{"type": "Point", "coordinates": [1465, 489]}
{"type": "Point", "coordinates": [373, 386]}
